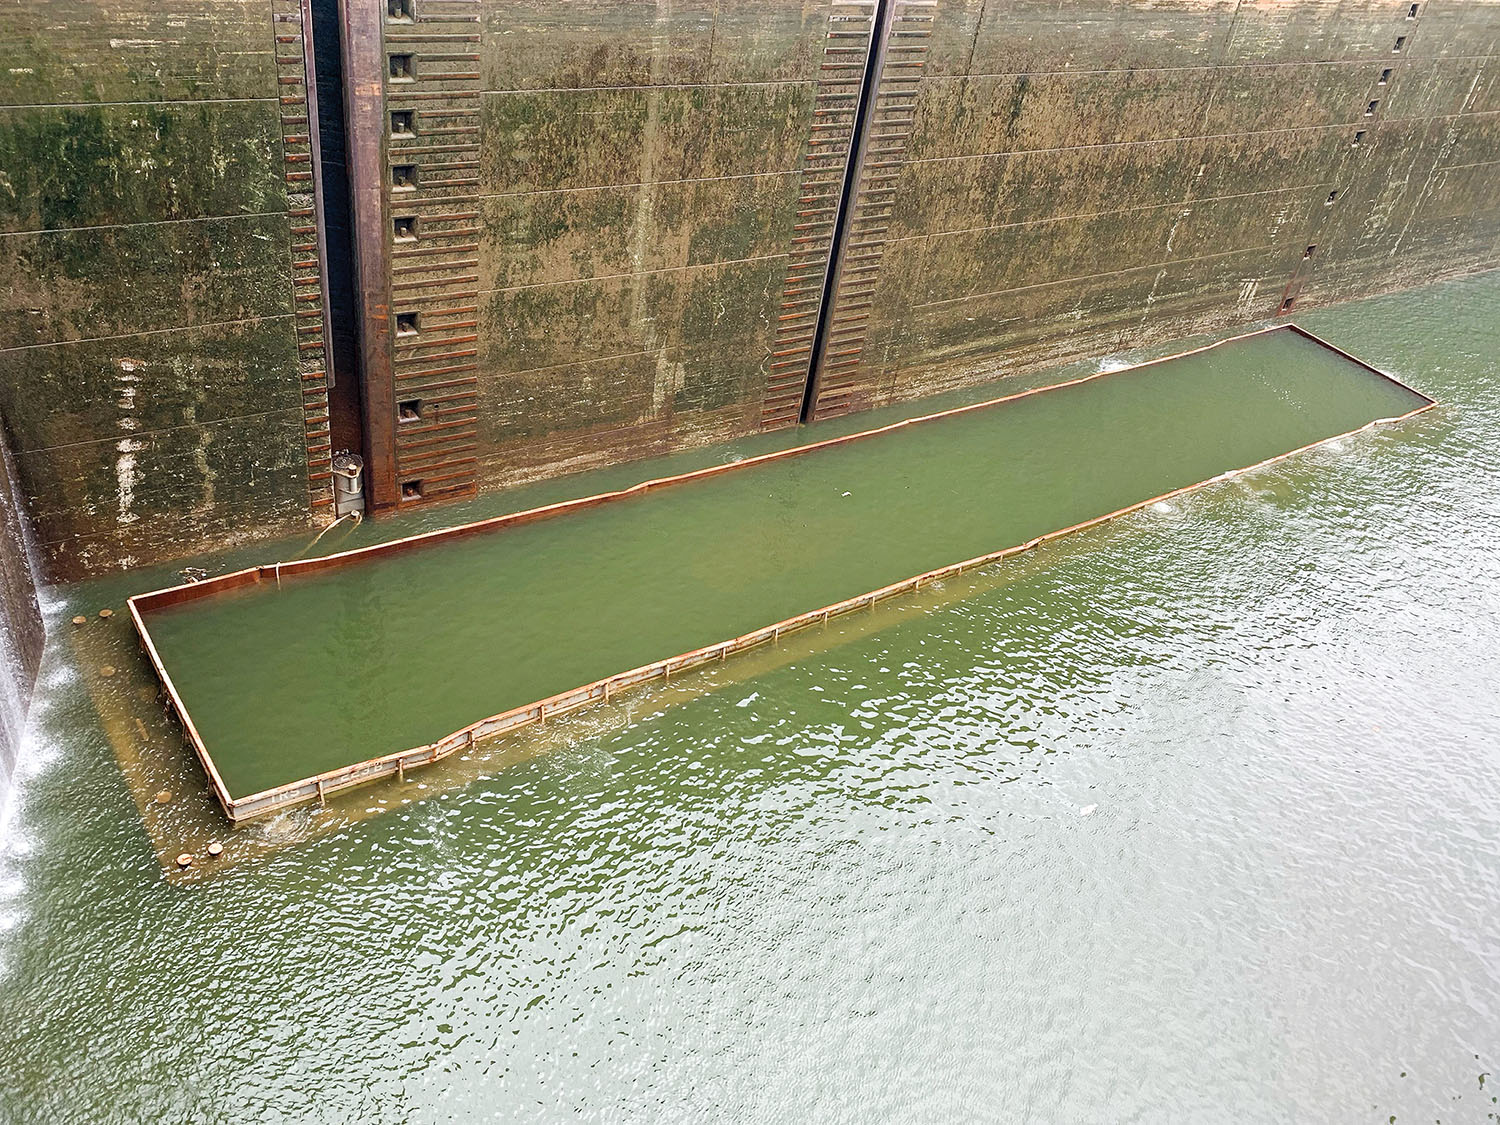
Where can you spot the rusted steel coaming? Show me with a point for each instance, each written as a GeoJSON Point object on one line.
{"type": "Point", "coordinates": [1354, 359]}
{"type": "Point", "coordinates": [216, 782]}
{"type": "Point", "coordinates": [396, 764]}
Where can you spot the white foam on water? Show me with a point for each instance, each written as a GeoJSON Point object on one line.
{"type": "Point", "coordinates": [13, 693]}
{"type": "Point", "coordinates": [17, 845]}
{"type": "Point", "coordinates": [12, 888]}
{"type": "Point", "coordinates": [14, 696]}
{"type": "Point", "coordinates": [53, 605]}
{"type": "Point", "coordinates": [35, 755]}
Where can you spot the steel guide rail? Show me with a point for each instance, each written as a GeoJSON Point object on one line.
{"type": "Point", "coordinates": [396, 764]}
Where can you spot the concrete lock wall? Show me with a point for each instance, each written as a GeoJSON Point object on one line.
{"type": "Point", "coordinates": [159, 358]}
{"type": "Point", "coordinates": [1080, 178]}
{"type": "Point", "coordinates": [594, 230]}
{"type": "Point", "coordinates": [605, 201]}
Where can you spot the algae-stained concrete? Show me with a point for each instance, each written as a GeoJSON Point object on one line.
{"type": "Point", "coordinates": [150, 370]}
{"type": "Point", "coordinates": [1067, 179]}
{"type": "Point", "coordinates": [1082, 177]}
{"type": "Point", "coordinates": [606, 222]}
{"type": "Point", "coordinates": [605, 200]}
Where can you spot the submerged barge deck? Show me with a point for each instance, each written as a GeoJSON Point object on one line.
{"type": "Point", "coordinates": [298, 678]}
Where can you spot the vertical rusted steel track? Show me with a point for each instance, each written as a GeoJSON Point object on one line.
{"type": "Point", "coordinates": [838, 248]}
{"type": "Point", "coordinates": [435, 260]}
{"type": "Point", "coordinates": [365, 66]}
{"type": "Point", "coordinates": [853, 31]}
{"type": "Point", "coordinates": [872, 62]}
{"type": "Point", "coordinates": [838, 369]}
{"type": "Point", "coordinates": [297, 106]}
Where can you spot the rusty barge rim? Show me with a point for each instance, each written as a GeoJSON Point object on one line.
{"type": "Point", "coordinates": [216, 782]}
{"type": "Point", "coordinates": [318, 786]}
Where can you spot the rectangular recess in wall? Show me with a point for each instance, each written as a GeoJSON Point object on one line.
{"type": "Point", "coordinates": [568, 599]}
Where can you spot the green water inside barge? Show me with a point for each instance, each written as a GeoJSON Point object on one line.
{"type": "Point", "coordinates": [389, 654]}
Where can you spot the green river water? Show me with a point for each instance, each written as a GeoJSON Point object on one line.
{"type": "Point", "coordinates": [1193, 817]}
{"type": "Point", "coordinates": [285, 681]}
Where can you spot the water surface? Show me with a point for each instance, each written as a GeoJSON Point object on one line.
{"type": "Point", "coordinates": [1195, 817]}
{"type": "Point", "coordinates": [288, 680]}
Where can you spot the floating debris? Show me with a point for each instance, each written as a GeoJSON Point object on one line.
{"type": "Point", "coordinates": [106, 670]}
{"type": "Point", "coordinates": [163, 796]}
